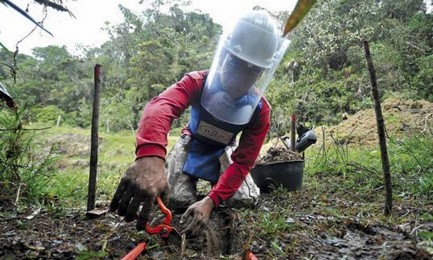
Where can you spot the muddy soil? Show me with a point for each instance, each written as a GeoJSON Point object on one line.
{"type": "Point", "coordinates": [306, 233]}
{"type": "Point", "coordinates": [73, 235]}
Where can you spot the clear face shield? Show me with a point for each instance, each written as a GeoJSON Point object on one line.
{"type": "Point", "coordinates": [240, 73]}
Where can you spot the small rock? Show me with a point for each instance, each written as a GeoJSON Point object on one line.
{"type": "Point", "coordinates": [80, 247]}
{"type": "Point", "coordinates": [290, 220]}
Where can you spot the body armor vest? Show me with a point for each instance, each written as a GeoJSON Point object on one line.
{"type": "Point", "coordinates": [209, 138]}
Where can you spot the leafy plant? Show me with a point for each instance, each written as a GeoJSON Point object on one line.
{"type": "Point", "coordinates": [25, 167]}
{"type": "Point", "coordinates": [49, 114]}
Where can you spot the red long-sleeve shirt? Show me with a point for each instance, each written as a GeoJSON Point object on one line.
{"type": "Point", "coordinates": [160, 112]}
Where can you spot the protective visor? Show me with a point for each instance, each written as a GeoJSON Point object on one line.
{"type": "Point", "coordinates": [234, 85]}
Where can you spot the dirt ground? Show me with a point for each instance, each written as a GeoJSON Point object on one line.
{"type": "Point", "coordinates": [307, 233]}
{"type": "Point", "coordinates": [312, 226]}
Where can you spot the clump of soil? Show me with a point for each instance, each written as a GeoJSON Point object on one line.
{"type": "Point", "coordinates": [279, 154]}
{"type": "Point", "coordinates": [214, 241]}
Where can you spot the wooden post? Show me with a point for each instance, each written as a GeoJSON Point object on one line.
{"type": "Point", "coordinates": [91, 196]}
{"type": "Point", "coordinates": [380, 130]}
{"type": "Point", "coordinates": [293, 132]}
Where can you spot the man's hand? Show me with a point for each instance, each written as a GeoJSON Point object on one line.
{"type": "Point", "coordinates": [141, 183]}
{"type": "Point", "coordinates": [197, 216]}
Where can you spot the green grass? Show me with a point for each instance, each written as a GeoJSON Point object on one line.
{"type": "Point", "coordinates": [69, 184]}
{"type": "Point", "coordinates": [340, 169]}
{"type": "Point", "coordinates": [360, 168]}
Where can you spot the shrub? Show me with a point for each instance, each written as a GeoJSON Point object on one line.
{"type": "Point", "coordinates": [25, 167]}
{"type": "Point", "coordinates": [48, 114]}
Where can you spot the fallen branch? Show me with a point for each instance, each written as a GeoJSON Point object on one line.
{"type": "Point", "coordinates": [24, 129]}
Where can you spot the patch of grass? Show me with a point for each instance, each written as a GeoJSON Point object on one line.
{"type": "Point", "coordinates": [358, 170]}
{"type": "Point", "coordinates": [272, 219]}
{"type": "Point", "coordinates": [24, 167]}
{"type": "Point", "coordinates": [426, 217]}
{"type": "Point", "coordinates": [271, 223]}
{"type": "Point", "coordinates": [343, 169]}
{"type": "Point", "coordinates": [426, 235]}
{"type": "Point", "coordinates": [412, 161]}
{"type": "Point", "coordinates": [85, 255]}
{"type": "Point", "coordinates": [69, 184]}
{"type": "Point", "coordinates": [390, 119]}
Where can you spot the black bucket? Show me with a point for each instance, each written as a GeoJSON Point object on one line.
{"type": "Point", "coordinates": [270, 176]}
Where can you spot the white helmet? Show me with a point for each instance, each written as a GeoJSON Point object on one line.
{"type": "Point", "coordinates": [254, 39]}
{"type": "Point", "coordinates": [243, 65]}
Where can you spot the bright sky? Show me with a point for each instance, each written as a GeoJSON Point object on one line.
{"type": "Point", "coordinates": [91, 16]}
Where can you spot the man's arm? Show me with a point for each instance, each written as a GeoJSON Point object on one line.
{"type": "Point", "coordinates": [146, 178]}
{"type": "Point", "coordinates": [160, 112]}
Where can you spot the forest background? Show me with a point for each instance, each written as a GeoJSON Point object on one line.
{"type": "Point", "coordinates": [322, 76]}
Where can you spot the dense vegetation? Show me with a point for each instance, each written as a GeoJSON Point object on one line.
{"type": "Point", "coordinates": [322, 76]}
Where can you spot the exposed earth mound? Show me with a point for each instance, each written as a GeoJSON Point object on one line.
{"type": "Point", "coordinates": [402, 118]}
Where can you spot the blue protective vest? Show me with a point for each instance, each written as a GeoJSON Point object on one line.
{"type": "Point", "coordinates": [209, 138]}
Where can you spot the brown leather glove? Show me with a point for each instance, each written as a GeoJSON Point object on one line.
{"type": "Point", "coordinates": [142, 182]}
{"type": "Point", "coordinates": [197, 216]}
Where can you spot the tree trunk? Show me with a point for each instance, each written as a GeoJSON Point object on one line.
{"type": "Point", "coordinates": [380, 130]}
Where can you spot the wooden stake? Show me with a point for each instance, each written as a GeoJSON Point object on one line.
{"type": "Point", "coordinates": [380, 130]}
{"type": "Point", "coordinates": [91, 196]}
{"type": "Point", "coordinates": [293, 132]}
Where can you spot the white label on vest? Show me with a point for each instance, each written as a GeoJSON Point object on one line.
{"type": "Point", "coordinates": [214, 133]}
